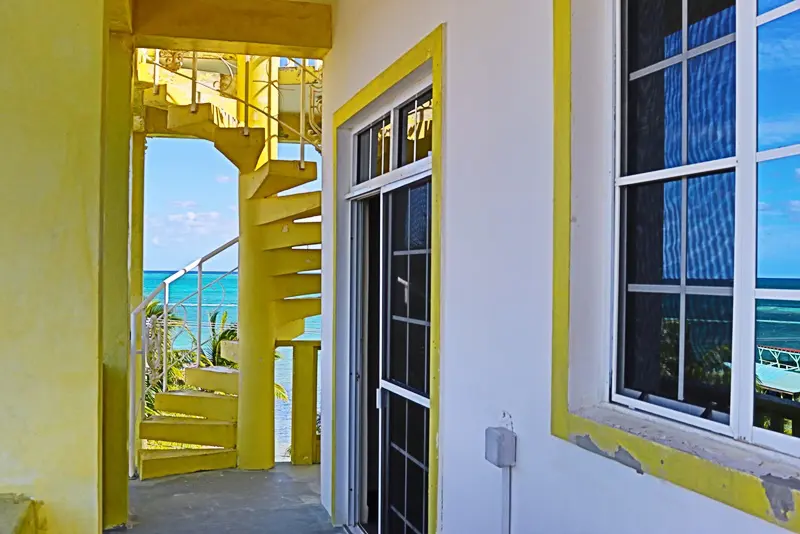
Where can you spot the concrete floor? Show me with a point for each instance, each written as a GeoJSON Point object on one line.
{"type": "Point", "coordinates": [284, 500]}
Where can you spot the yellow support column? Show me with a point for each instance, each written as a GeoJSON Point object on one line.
{"type": "Point", "coordinates": [256, 424]}
{"type": "Point", "coordinates": [137, 218]}
{"type": "Point", "coordinates": [304, 403]}
{"type": "Point", "coordinates": [136, 243]}
{"type": "Point", "coordinates": [114, 276]}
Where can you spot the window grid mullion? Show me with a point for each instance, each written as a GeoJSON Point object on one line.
{"type": "Point", "coordinates": [684, 161]}
{"type": "Point", "coordinates": [745, 221]}
{"type": "Point", "coordinates": [682, 313]}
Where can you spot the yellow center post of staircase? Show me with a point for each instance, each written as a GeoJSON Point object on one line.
{"type": "Point", "coordinates": [256, 425]}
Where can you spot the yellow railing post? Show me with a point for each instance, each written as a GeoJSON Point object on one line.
{"type": "Point", "coordinates": [304, 402]}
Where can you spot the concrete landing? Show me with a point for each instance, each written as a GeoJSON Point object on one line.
{"type": "Point", "coordinates": [282, 501]}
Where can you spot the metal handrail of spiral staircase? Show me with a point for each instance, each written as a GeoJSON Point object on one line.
{"type": "Point", "coordinates": [149, 331]}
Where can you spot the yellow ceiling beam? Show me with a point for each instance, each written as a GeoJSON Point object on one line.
{"type": "Point", "coordinates": [118, 15]}
{"type": "Point", "coordinates": [257, 27]}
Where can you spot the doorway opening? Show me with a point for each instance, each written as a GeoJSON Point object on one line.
{"type": "Point", "coordinates": [367, 375]}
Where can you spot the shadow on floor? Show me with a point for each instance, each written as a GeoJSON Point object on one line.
{"type": "Point", "coordinates": [284, 500]}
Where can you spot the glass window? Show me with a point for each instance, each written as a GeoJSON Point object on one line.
{"type": "Point", "coordinates": [779, 82]}
{"type": "Point", "coordinates": [778, 237]}
{"type": "Point", "coordinates": [677, 329]}
{"type": "Point", "coordinates": [769, 5]}
{"type": "Point", "coordinates": [409, 261]}
{"type": "Point", "coordinates": [373, 149]}
{"type": "Point", "coordinates": [777, 396]}
{"type": "Point", "coordinates": [416, 129]}
{"type": "Point", "coordinates": [681, 246]}
{"type": "Point", "coordinates": [680, 102]}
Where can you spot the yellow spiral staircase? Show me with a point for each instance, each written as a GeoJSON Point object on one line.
{"type": "Point", "coordinates": [202, 421]}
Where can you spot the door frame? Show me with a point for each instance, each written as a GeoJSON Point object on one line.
{"type": "Point", "coordinates": [425, 56]}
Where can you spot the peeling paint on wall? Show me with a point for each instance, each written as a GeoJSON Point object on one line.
{"type": "Point", "coordinates": [781, 493]}
{"type": "Point", "coordinates": [621, 455]}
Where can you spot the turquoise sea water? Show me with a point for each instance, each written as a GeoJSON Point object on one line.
{"type": "Point", "coordinates": [223, 296]}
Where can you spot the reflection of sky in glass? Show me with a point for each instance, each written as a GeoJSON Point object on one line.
{"type": "Point", "coordinates": [710, 227]}
{"type": "Point", "coordinates": [779, 82]}
{"type": "Point", "coordinates": [712, 28]}
{"type": "Point", "coordinates": [768, 5]}
{"type": "Point", "coordinates": [712, 104]}
{"type": "Point", "coordinates": [778, 220]}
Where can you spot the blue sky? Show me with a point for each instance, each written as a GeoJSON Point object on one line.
{"type": "Point", "coordinates": [191, 201]}
{"type": "Point", "coordinates": [779, 126]}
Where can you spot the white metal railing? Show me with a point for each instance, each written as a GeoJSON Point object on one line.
{"type": "Point", "coordinates": [305, 124]}
{"type": "Point", "coordinates": [154, 329]}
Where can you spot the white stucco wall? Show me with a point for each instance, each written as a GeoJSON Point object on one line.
{"type": "Point", "coordinates": [497, 268]}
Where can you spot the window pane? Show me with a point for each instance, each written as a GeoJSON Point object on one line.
{"type": "Point", "coordinates": [654, 31]}
{"type": "Point", "coordinates": [416, 129]}
{"type": "Point", "coordinates": [385, 144]}
{"type": "Point", "coordinates": [710, 229]}
{"type": "Point", "coordinates": [399, 201]}
{"type": "Point", "coordinates": [654, 121]}
{"type": "Point", "coordinates": [652, 331]}
{"type": "Point", "coordinates": [397, 355]}
{"type": "Point", "coordinates": [417, 358]}
{"type": "Point", "coordinates": [425, 129]}
{"type": "Point", "coordinates": [418, 430]}
{"type": "Point", "coordinates": [777, 395]}
{"type": "Point", "coordinates": [779, 82]}
{"type": "Point", "coordinates": [418, 198]}
{"type": "Point", "coordinates": [396, 482]}
{"type": "Point", "coordinates": [397, 420]}
{"type": "Point", "coordinates": [712, 105]}
{"type": "Point", "coordinates": [710, 19]}
{"type": "Point", "coordinates": [707, 352]}
{"type": "Point", "coordinates": [653, 233]}
{"type": "Point", "coordinates": [778, 233]}
{"type": "Point", "coordinates": [769, 5]}
{"type": "Point", "coordinates": [400, 286]}
{"type": "Point", "coordinates": [418, 287]}
{"type": "Point", "coordinates": [416, 495]}
{"type": "Point", "coordinates": [362, 173]}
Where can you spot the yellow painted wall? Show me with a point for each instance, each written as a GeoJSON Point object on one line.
{"type": "Point", "coordinates": [117, 122]}
{"type": "Point", "coordinates": [51, 99]}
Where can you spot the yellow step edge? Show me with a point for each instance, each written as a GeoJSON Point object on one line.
{"type": "Point", "coordinates": [292, 207]}
{"type": "Point", "coordinates": [161, 463]}
{"type": "Point", "coordinates": [18, 514]}
{"type": "Point", "coordinates": [222, 379]}
{"type": "Point", "coordinates": [296, 285]}
{"type": "Point", "coordinates": [295, 309]}
{"type": "Point", "coordinates": [190, 431]}
{"type": "Point", "coordinates": [291, 330]}
{"type": "Point", "coordinates": [277, 176]}
{"type": "Point", "coordinates": [291, 234]}
{"type": "Point", "coordinates": [288, 261]}
{"type": "Point", "coordinates": [199, 403]}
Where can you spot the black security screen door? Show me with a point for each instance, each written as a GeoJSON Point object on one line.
{"type": "Point", "coordinates": [405, 385]}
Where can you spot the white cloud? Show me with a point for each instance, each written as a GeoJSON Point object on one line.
{"type": "Point", "coordinates": [794, 205]}
{"type": "Point", "coordinates": [779, 131]}
{"type": "Point", "coordinates": [235, 208]}
{"type": "Point", "coordinates": [763, 206]}
{"type": "Point", "coordinates": [223, 179]}
{"type": "Point", "coordinates": [184, 203]}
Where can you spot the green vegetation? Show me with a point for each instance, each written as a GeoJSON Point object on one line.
{"type": "Point", "coordinates": [178, 359]}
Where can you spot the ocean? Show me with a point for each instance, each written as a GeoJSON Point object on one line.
{"type": "Point", "coordinates": [223, 297]}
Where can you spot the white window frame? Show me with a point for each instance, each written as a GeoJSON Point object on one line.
{"type": "Point", "coordinates": [744, 163]}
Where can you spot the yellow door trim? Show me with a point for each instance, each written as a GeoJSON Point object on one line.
{"type": "Point", "coordinates": [736, 488]}
{"type": "Point", "coordinates": [431, 48]}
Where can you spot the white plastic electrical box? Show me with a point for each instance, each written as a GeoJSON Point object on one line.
{"type": "Point", "coordinates": [501, 447]}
